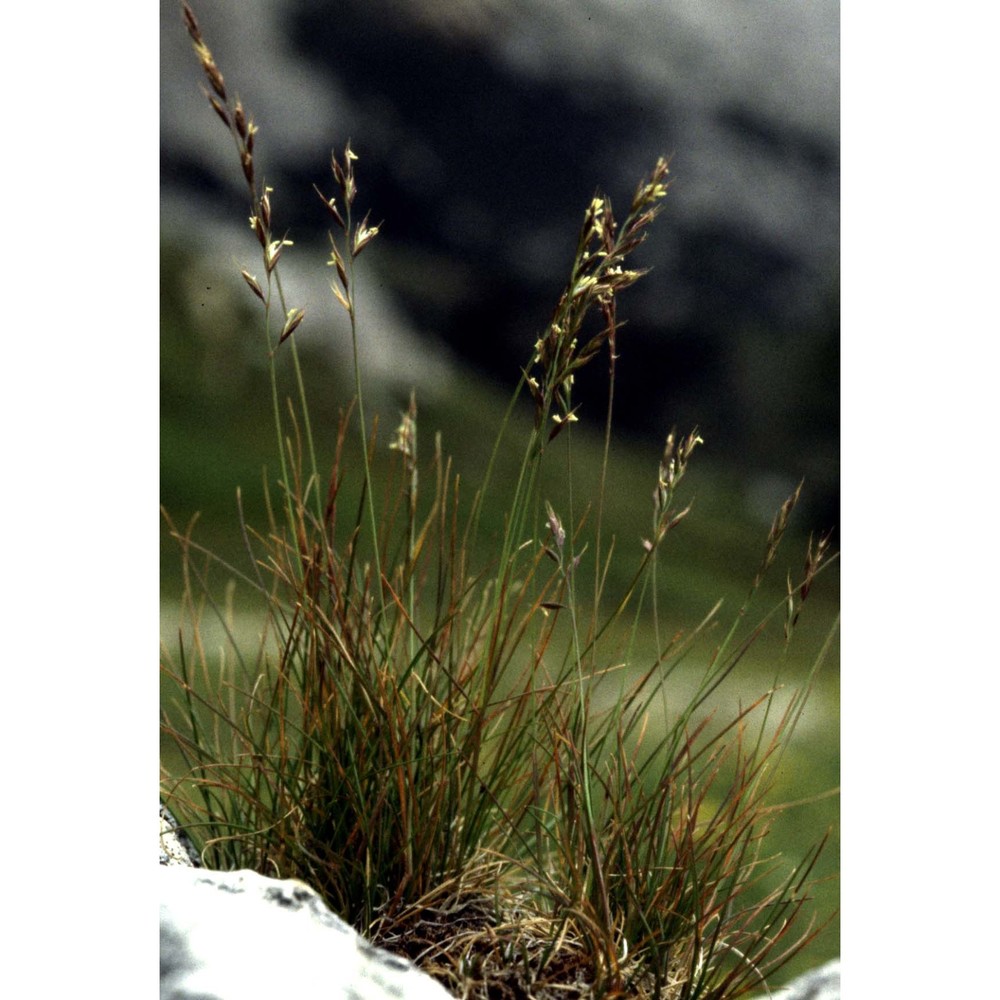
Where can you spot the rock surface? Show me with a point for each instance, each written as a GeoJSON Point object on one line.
{"type": "Point", "coordinates": [242, 936]}
{"type": "Point", "coordinates": [175, 847]}
{"type": "Point", "coordinates": [817, 984]}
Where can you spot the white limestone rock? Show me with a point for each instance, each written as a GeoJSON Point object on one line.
{"type": "Point", "coordinates": [822, 983]}
{"type": "Point", "coordinates": [242, 936]}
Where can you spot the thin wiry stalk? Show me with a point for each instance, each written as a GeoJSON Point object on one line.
{"type": "Point", "coordinates": [244, 131]}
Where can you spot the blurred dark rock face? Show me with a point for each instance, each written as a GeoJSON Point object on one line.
{"type": "Point", "coordinates": [484, 129]}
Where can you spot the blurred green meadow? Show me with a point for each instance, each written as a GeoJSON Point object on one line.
{"type": "Point", "coordinates": [217, 436]}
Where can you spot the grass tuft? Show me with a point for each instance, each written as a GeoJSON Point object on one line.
{"type": "Point", "coordinates": [445, 732]}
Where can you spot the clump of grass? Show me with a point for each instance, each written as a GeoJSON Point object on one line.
{"type": "Point", "coordinates": [458, 751]}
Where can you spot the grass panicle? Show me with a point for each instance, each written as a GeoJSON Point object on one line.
{"type": "Point", "coordinates": [443, 731]}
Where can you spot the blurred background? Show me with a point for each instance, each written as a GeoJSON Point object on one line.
{"type": "Point", "coordinates": [485, 126]}
{"type": "Point", "coordinates": [483, 129]}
